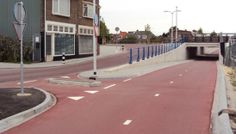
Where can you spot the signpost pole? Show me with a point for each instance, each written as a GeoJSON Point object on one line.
{"type": "Point", "coordinates": [94, 41]}
{"type": "Point", "coordinates": [21, 64]}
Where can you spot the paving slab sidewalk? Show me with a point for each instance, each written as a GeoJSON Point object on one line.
{"type": "Point", "coordinates": [104, 51]}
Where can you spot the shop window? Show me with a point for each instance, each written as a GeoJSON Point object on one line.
{"type": "Point", "coordinates": [64, 43]}
{"type": "Point", "coordinates": [85, 44]}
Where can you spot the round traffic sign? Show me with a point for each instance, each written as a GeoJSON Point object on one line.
{"type": "Point", "coordinates": [117, 29]}
{"type": "Point", "coordinates": [19, 12]}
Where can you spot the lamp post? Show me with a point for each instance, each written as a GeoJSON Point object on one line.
{"type": "Point", "coordinates": [176, 30]}
{"type": "Point", "coordinates": [95, 23]}
{"type": "Point", "coordinates": [172, 23]}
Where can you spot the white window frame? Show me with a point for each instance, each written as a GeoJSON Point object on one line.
{"type": "Point", "coordinates": [59, 12]}
{"type": "Point", "coordinates": [88, 14]}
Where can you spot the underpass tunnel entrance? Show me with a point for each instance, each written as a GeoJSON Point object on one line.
{"type": "Point", "coordinates": [203, 53]}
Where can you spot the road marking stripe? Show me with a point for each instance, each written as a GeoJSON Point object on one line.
{"type": "Point", "coordinates": [110, 86]}
{"type": "Point", "coordinates": [25, 82]}
{"type": "Point", "coordinates": [127, 122]}
{"type": "Point", "coordinates": [156, 95]}
{"type": "Point", "coordinates": [171, 82]}
{"type": "Point", "coordinates": [127, 80]}
{"type": "Point", "coordinates": [65, 77]}
{"type": "Point", "coordinates": [76, 98]}
{"type": "Point", "coordinates": [180, 75]}
{"type": "Point", "coordinates": [91, 92]}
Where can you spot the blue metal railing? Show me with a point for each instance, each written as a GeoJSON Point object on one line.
{"type": "Point", "coordinates": [147, 52]}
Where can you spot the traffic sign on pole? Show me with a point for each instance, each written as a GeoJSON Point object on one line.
{"type": "Point", "coordinates": [19, 15]}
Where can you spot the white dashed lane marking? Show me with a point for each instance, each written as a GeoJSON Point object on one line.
{"type": "Point", "coordinates": [91, 92]}
{"type": "Point", "coordinates": [25, 82]}
{"type": "Point", "coordinates": [180, 75]}
{"type": "Point", "coordinates": [171, 82]}
{"type": "Point", "coordinates": [127, 80]}
{"type": "Point", "coordinates": [76, 98]}
{"type": "Point", "coordinates": [156, 95]}
{"type": "Point", "coordinates": [110, 86]}
{"type": "Point", "coordinates": [127, 122]}
{"type": "Point", "coordinates": [65, 77]}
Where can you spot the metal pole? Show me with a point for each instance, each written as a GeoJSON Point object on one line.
{"type": "Point", "coordinates": [21, 64]}
{"type": "Point", "coordinates": [94, 41]}
{"type": "Point", "coordinates": [172, 23]}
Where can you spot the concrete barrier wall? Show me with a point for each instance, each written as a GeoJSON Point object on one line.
{"type": "Point", "coordinates": [220, 124]}
{"type": "Point", "coordinates": [178, 54]}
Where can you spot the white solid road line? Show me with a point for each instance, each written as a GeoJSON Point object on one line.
{"type": "Point", "coordinates": [110, 86]}
{"type": "Point", "coordinates": [127, 122]}
{"type": "Point", "coordinates": [91, 92]}
{"type": "Point", "coordinates": [156, 95]}
{"type": "Point", "coordinates": [127, 80]}
{"type": "Point", "coordinates": [25, 82]}
{"type": "Point", "coordinates": [76, 98]}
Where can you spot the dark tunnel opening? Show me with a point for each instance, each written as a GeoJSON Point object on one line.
{"type": "Point", "coordinates": [192, 54]}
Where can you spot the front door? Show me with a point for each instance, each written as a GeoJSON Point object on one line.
{"type": "Point", "coordinates": [49, 47]}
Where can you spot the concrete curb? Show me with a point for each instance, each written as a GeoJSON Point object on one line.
{"type": "Point", "coordinates": [220, 124]}
{"type": "Point", "coordinates": [127, 70]}
{"type": "Point", "coordinates": [86, 83]}
{"type": "Point", "coordinates": [24, 116]}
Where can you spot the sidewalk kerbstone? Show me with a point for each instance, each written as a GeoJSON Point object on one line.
{"type": "Point", "coordinates": [15, 120]}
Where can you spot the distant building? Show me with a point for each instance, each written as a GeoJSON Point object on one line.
{"type": "Point", "coordinates": [67, 26]}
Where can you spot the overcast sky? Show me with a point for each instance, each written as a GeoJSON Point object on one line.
{"type": "Point", "coordinates": [130, 15]}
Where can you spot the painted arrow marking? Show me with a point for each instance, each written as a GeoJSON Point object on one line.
{"type": "Point", "coordinates": [76, 98]}
{"type": "Point", "coordinates": [91, 92]}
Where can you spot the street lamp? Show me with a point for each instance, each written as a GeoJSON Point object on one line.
{"type": "Point", "coordinates": [176, 30]}
{"type": "Point", "coordinates": [172, 17]}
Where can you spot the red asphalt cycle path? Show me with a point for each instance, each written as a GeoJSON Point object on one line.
{"type": "Point", "coordinates": [182, 107]}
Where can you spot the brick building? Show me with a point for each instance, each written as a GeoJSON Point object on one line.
{"type": "Point", "coordinates": [67, 26]}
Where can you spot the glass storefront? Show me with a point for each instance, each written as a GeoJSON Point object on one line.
{"type": "Point", "coordinates": [64, 43]}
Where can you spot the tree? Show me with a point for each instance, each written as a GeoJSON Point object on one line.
{"type": "Point", "coordinates": [104, 32]}
{"type": "Point", "coordinates": [148, 32]}
{"type": "Point", "coordinates": [129, 39]}
{"type": "Point", "coordinates": [200, 31]}
{"type": "Point", "coordinates": [147, 27]}
{"type": "Point", "coordinates": [213, 34]}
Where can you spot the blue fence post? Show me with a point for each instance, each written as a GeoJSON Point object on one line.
{"type": "Point", "coordinates": [148, 53]}
{"type": "Point", "coordinates": [155, 50]}
{"type": "Point", "coordinates": [152, 51]}
{"type": "Point", "coordinates": [143, 58]}
{"type": "Point", "coordinates": [138, 57]}
{"type": "Point", "coordinates": [130, 56]}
